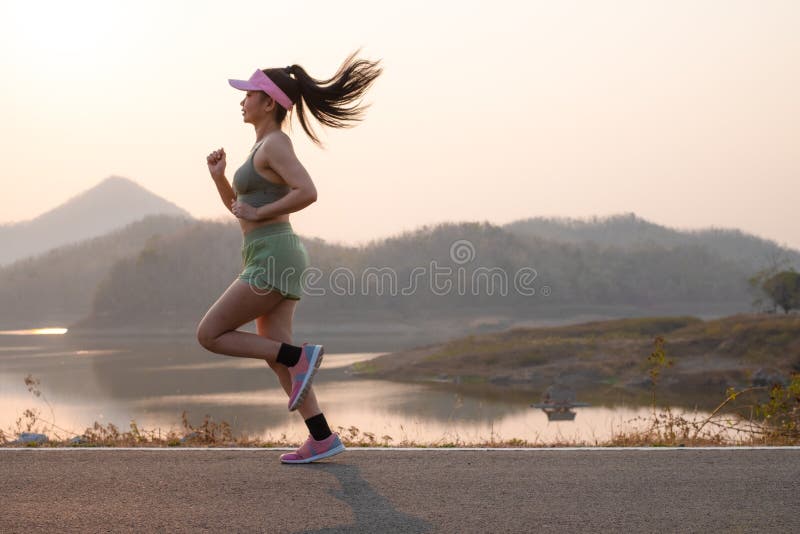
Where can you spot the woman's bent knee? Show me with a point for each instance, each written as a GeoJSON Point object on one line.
{"type": "Point", "coordinates": [206, 337]}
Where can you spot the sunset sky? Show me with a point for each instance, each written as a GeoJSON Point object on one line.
{"type": "Point", "coordinates": [684, 112]}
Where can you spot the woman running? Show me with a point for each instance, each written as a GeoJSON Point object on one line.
{"type": "Point", "coordinates": [270, 185]}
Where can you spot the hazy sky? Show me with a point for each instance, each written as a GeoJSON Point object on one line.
{"type": "Point", "coordinates": [684, 112]}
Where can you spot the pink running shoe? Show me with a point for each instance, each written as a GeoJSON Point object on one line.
{"type": "Point", "coordinates": [303, 372]}
{"type": "Point", "coordinates": [313, 450]}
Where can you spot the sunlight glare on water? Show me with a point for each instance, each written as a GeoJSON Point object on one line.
{"type": "Point", "coordinates": [35, 332]}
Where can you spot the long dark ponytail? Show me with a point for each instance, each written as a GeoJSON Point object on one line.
{"type": "Point", "coordinates": [329, 101]}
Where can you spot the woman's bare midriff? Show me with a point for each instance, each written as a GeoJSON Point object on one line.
{"type": "Point", "coordinates": [251, 225]}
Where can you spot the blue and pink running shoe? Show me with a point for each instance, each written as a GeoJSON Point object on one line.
{"type": "Point", "coordinates": [313, 450]}
{"type": "Point", "coordinates": [303, 372]}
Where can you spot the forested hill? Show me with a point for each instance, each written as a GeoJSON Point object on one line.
{"type": "Point", "coordinates": [166, 272]}
{"type": "Point", "coordinates": [59, 285]}
{"type": "Point", "coordinates": [628, 230]}
{"type": "Point", "coordinates": [176, 277]}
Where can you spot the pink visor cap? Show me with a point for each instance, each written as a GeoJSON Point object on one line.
{"type": "Point", "coordinates": [261, 82]}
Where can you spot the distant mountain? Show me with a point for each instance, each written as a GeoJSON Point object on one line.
{"type": "Point", "coordinates": [111, 204]}
{"type": "Point", "coordinates": [629, 231]}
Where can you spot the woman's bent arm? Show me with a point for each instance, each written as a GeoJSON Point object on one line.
{"type": "Point", "coordinates": [216, 167]}
{"type": "Point", "coordinates": [225, 191]}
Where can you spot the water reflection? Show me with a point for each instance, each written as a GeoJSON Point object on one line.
{"type": "Point", "coordinates": [87, 379]}
{"type": "Point", "coordinates": [34, 332]}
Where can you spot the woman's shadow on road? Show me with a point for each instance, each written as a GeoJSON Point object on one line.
{"type": "Point", "coordinates": [373, 512]}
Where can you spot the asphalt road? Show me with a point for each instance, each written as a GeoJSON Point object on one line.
{"type": "Point", "coordinates": [539, 490]}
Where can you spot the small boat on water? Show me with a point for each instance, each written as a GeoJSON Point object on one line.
{"type": "Point", "coordinates": [557, 403]}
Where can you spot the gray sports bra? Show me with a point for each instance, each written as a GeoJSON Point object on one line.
{"type": "Point", "coordinates": [254, 189]}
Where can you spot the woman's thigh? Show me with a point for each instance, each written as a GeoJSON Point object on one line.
{"type": "Point", "coordinates": [238, 305]}
{"type": "Point", "coordinates": [277, 324]}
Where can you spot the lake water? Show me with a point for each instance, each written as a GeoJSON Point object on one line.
{"type": "Point", "coordinates": [151, 379]}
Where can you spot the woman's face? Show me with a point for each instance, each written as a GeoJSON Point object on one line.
{"type": "Point", "coordinates": [254, 106]}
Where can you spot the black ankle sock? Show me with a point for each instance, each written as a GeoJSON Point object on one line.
{"type": "Point", "coordinates": [289, 355]}
{"type": "Point", "coordinates": [318, 427]}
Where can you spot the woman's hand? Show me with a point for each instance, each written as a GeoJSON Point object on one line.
{"type": "Point", "coordinates": [243, 210]}
{"type": "Point", "coordinates": [216, 163]}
